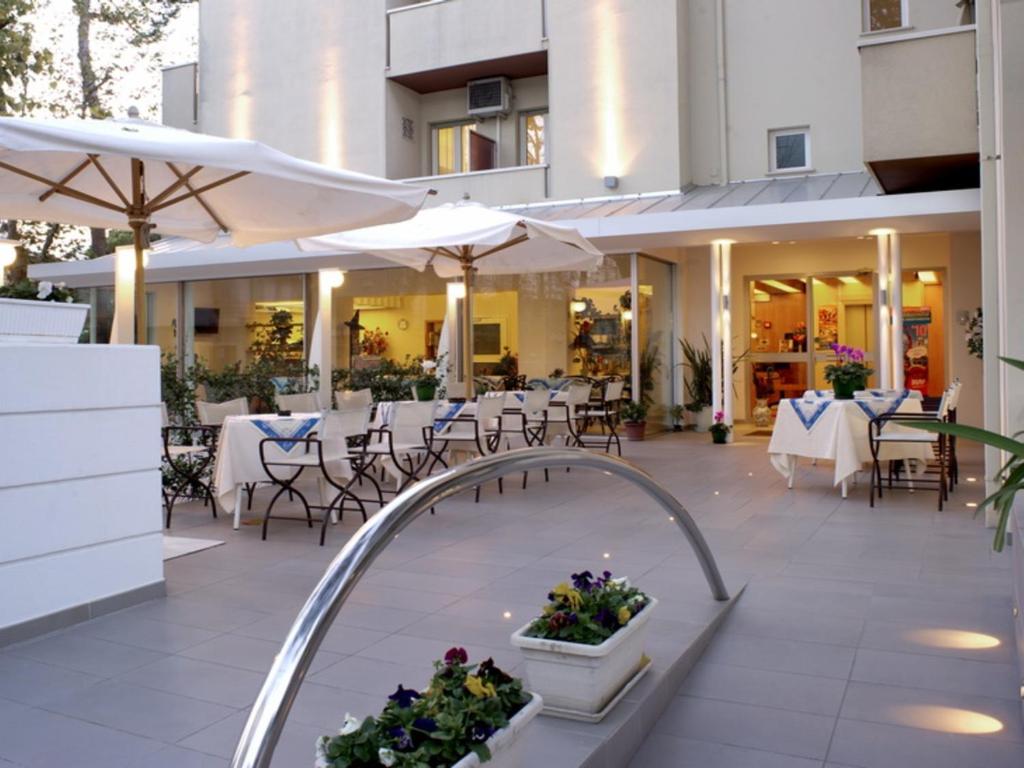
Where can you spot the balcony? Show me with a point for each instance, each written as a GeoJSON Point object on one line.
{"type": "Point", "coordinates": [919, 98]}
{"type": "Point", "coordinates": [499, 186]}
{"type": "Point", "coordinates": [440, 44]}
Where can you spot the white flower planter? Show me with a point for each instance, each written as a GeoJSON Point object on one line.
{"type": "Point", "coordinates": [505, 745]}
{"type": "Point", "coordinates": [584, 678]}
{"type": "Point", "coordinates": [41, 322]}
{"type": "Point", "coordinates": [703, 419]}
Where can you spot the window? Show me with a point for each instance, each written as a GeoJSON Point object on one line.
{"type": "Point", "coordinates": [451, 148]}
{"type": "Point", "coordinates": [884, 14]}
{"type": "Point", "coordinates": [789, 149]}
{"type": "Point", "coordinates": [533, 138]}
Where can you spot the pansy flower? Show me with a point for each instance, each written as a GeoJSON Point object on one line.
{"type": "Point", "coordinates": [404, 697]}
{"type": "Point", "coordinates": [456, 656]}
{"type": "Point", "coordinates": [425, 724]}
{"type": "Point", "coordinates": [481, 732]}
{"type": "Point", "coordinates": [403, 739]}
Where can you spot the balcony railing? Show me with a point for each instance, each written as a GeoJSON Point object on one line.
{"type": "Point", "coordinates": [498, 186]}
{"type": "Point", "coordinates": [439, 34]}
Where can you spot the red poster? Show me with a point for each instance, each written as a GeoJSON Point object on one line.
{"type": "Point", "coordinates": [916, 322]}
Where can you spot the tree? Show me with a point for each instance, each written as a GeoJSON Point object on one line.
{"type": "Point", "coordinates": [19, 58]}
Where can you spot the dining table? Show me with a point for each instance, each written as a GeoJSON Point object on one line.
{"type": "Point", "coordinates": [821, 427]}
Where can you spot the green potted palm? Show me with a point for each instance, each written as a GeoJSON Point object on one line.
{"type": "Point", "coordinates": [634, 419]}
{"type": "Point", "coordinates": [698, 382]}
{"type": "Point", "coordinates": [677, 412]}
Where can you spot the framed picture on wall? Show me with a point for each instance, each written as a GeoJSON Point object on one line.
{"type": "Point", "coordinates": [488, 340]}
{"type": "Point", "coordinates": [827, 331]}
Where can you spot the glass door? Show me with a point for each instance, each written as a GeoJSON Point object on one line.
{"type": "Point", "coordinates": [843, 313]}
{"type": "Point", "coordinates": [779, 311]}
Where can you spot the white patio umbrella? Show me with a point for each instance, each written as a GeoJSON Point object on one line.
{"type": "Point", "coordinates": [117, 173]}
{"type": "Point", "coordinates": [466, 238]}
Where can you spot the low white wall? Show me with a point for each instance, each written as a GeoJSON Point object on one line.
{"type": "Point", "coordinates": [80, 504]}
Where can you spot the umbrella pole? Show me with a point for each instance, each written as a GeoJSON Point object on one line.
{"type": "Point", "coordinates": [467, 323]}
{"type": "Point", "coordinates": [138, 220]}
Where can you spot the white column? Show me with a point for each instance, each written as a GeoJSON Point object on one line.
{"type": "Point", "coordinates": [321, 351]}
{"type": "Point", "coordinates": [884, 355]}
{"type": "Point", "coordinates": [722, 252]}
{"type": "Point", "coordinates": [716, 329]}
{"type": "Point", "coordinates": [123, 329]}
{"type": "Point", "coordinates": [456, 367]}
{"type": "Point", "coordinates": [896, 304]}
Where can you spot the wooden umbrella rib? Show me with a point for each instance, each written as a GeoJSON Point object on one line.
{"type": "Point", "coordinates": [184, 178]}
{"type": "Point", "coordinates": [59, 189]}
{"type": "Point", "coordinates": [55, 187]}
{"type": "Point", "coordinates": [95, 160]}
{"type": "Point", "coordinates": [174, 186]}
{"type": "Point", "coordinates": [199, 191]}
{"type": "Point", "coordinates": [507, 244]}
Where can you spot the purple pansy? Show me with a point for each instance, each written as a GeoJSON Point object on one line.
{"type": "Point", "coordinates": [404, 697]}
{"type": "Point", "coordinates": [403, 740]}
{"type": "Point", "coordinates": [456, 656]}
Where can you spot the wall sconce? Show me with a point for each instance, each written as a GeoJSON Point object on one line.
{"type": "Point", "coordinates": [578, 306]}
{"type": "Point", "coordinates": [8, 253]}
{"type": "Point", "coordinates": [611, 182]}
{"type": "Point", "coordinates": [627, 315]}
{"type": "Point", "coordinates": [126, 252]}
{"type": "Point", "coordinates": [456, 290]}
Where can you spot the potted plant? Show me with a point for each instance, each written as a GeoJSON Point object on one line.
{"type": "Point", "coordinates": [848, 373]}
{"type": "Point", "coordinates": [587, 644]}
{"type": "Point", "coordinates": [634, 418]}
{"type": "Point", "coordinates": [425, 385]}
{"type": "Point", "coordinates": [468, 715]}
{"type": "Point", "coordinates": [698, 385]}
{"type": "Point", "coordinates": [720, 430]}
{"type": "Point", "coordinates": [40, 313]}
{"type": "Point", "coordinates": [677, 412]}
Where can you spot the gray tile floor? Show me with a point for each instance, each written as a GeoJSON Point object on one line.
{"type": "Point", "coordinates": [849, 647]}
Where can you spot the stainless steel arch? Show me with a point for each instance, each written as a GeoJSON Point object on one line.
{"type": "Point", "coordinates": [267, 719]}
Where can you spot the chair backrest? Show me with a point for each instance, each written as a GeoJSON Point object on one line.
{"type": "Point", "coordinates": [613, 390]}
{"type": "Point", "coordinates": [353, 398]}
{"type": "Point", "coordinates": [339, 426]}
{"type": "Point", "coordinates": [410, 419]}
{"type": "Point", "coordinates": [943, 410]}
{"type": "Point", "coordinates": [578, 393]}
{"type": "Point", "coordinates": [306, 402]}
{"type": "Point", "coordinates": [490, 407]}
{"type": "Point", "coordinates": [535, 401]}
{"type": "Point", "coordinates": [165, 420]}
{"type": "Point", "coordinates": [213, 414]}
{"type": "Point", "coordinates": [954, 397]}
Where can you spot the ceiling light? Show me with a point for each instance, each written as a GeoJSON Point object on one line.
{"type": "Point", "coordinates": [928, 277]}
{"type": "Point", "coordinates": [577, 306]}
{"type": "Point", "coordinates": [849, 280]}
{"type": "Point", "coordinates": [780, 286]}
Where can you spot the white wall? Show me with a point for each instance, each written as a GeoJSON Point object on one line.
{"type": "Point", "coordinates": [79, 476]}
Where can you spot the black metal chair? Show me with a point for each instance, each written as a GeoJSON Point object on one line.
{"type": "Point", "coordinates": [188, 452]}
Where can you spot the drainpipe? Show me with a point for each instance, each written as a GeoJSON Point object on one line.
{"type": "Point", "coordinates": [723, 121]}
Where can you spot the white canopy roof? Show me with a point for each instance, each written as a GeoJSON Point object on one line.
{"type": "Point", "coordinates": [497, 242]}
{"type": "Point", "coordinates": [80, 172]}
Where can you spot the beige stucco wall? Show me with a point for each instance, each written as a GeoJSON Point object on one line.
{"type": "Point", "coordinates": [793, 63]}
{"type": "Point", "coordinates": [437, 35]}
{"type": "Point", "coordinates": [919, 97]}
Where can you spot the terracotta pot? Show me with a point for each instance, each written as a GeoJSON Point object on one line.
{"type": "Point", "coordinates": [635, 429]}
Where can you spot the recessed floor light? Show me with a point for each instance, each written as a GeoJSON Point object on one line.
{"type": "Point", "coordinates": [972, 479]}
{"type": "Point", "coordinates": [972, 504]}
{"type": "Point", "coordinates": [607, 555]}
{"type": "Point", "coordinates": [507, 615]}
{"type": "Point", "coordinates": [716, 493]}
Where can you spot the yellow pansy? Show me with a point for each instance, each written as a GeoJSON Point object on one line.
{"type": "Point", "coordinates": [568, 595]}
{"type": "Point", "coordinates": [479, 688]}
{"type": "Point", "coordinates": [549, 609]}
{"type": "Point", "coordinates": [624, 615]}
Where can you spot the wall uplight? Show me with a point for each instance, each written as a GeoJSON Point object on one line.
{"type": "Point", "coordinates": [456, 290]}
{"type": "Point", "coordinates": [8, 252]}
{"type": "Point", "coordinates": [577, 306]}
{"type": "Point", "coordinates": [125, 255]}
{"type": "Point", "coordinates": [332, 278]}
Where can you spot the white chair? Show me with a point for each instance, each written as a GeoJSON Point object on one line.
{"type": "Point", "coordinates": [353, 398]}
{"type": "Point", "coordinates": [304, 402]}
{"type": "Point", "coordinates": [531, 408]}
{"type": "Point", "coordinates": [564, 416]}
{"type": "Point", "coordinates": [474, 435]}
{"type": "Point", "coordinates": [213, 414]}
{"type": "Point", "coordinates": [331, 454]}
{"type": "Point", "coordinates": [406, 440]}
{"type": "Point", "coordinates": [879, 435]}
{"type": "Point", "coordinates": [606, 413]}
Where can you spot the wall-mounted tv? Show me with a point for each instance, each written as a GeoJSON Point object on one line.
{"type": "Point", "coordinates": [206, 320]}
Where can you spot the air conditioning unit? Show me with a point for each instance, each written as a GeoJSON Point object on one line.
{"type": "Point", "coordinates": [488, 97]}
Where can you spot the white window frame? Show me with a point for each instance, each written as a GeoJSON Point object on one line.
{"type": "Point", "coordinates": [434, 128]}
{"type": "Point", "coordinates": [523, 115]}
{"type": "Point", "coordinates": [865, 22]}
{"type": "Point", "coordinates": [803, 130]}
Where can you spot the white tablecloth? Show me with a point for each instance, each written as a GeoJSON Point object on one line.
{"type": "Point", "coordinates": [837, 430]}
{"type": "Point", "coordinates": [238, 449]}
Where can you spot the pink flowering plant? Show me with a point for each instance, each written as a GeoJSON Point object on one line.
{"type": "Point", "coordinates": [719, 427]}
{"type": "Point", "coordinates": [849, 368]}
{"type": "Point", "coordinates": [589, 610]}
{"type": "Point", "coordinates": [464, 705]}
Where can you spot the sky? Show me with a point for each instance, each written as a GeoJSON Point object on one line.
{"type": "Point", "coordinates": [139, 85]}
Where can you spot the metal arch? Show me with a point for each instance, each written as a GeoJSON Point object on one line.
{"type": "Point", "coordinates": [269, 713]}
